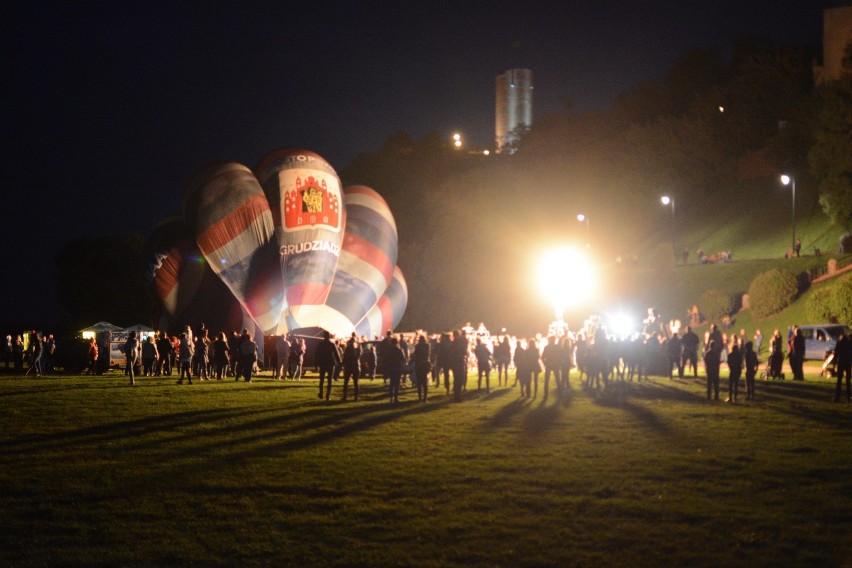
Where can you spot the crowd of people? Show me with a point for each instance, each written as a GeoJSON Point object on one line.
{"type": "Point", "coordinates": [445, 360]}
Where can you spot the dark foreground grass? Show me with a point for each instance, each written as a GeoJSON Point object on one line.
{"type": "Point", "coordinates": [94, 472]}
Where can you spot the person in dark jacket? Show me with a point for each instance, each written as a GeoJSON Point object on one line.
{"type": "Point", "coordinates": [351, 365]}
{"type": "Point", "coordinates": [422, 367]}
{"type": "Point", "coordinates": [843, 355]}
{"type": "Point", "coordinates": [326, 358]}
{"type": "Point", "coordinates": [689, 350]}
{"type": "Point", "coordinates": [445, 359]}
{"type": "Point", "coordinates": [248, 355]}
{"type": "Point", "coordinates": [459, 364]}
{"type": "Point", "coordinates": [751, 363]}
{"type": "Point", "coordinates": [735, 369]}
{"type": "Point", "coordinates": [712, 362]}
{"type": "Point", "coordinates": [131, 353]}
{"type": "Point", "coordinates": [395, 362]}
{"type": "Point", "coordinates": [797, 354]}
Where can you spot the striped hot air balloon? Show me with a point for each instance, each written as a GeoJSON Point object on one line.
{"type": "Point", "coordinates": [305, 196]}
{"type": "Point", "coordinates": [388, 311]}
{"type": "Point", "coordinates": [183, 285]}
{"type": "Point", "coordinates": [367, 259]}
{"type": "Point", "coordinates": [175, 267]}
{"type": "Point", "coordinates": [227, 212]}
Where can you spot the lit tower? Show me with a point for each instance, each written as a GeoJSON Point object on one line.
{"type": "Point", "coordinates": [514, 106]}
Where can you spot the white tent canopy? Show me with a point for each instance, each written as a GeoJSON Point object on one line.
{"type": "Point", "coordinates": [137, 328]}
{"type": "Point", "coordinates": [101, 326]}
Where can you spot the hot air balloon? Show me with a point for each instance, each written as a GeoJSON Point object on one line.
{"type": "Point", "coordinates": [304, 193]}
{"type": "Point", "coordinates": [388, 311]}
{"type": "Point", "coordinates": [227, 212]}
{"type": "Point", "coordinates": [367, 259]}
{"type": "Point", "coordinates": [185, 288]}
{"type": "Point", "coordinates": [175, 267]}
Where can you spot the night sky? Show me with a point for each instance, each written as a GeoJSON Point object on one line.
{"type": "Point", "coordinates": [109, 109]}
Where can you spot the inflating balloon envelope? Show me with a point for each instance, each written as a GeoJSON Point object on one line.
{"type": "Point", "coordinates": [286, 246]}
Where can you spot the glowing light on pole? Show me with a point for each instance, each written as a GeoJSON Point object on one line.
{"type": "Point", "coordinates": [565, 278]}
{"type": "Point", "coordinates": [457, 141]}
{"type": "Point", "coordinates": [666, 201]}
{"type": "Point", "coordinates": [790, 180]}
{"type": "Point", "coordinates": [584, 219]}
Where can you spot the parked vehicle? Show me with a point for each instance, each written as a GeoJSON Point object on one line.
{"type": "Point", "coordinates": [821, 338]}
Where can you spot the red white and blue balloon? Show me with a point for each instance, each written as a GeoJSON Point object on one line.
{"type": "Point", "coordinates": [293, 249]}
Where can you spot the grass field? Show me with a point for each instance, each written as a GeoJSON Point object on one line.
{"type": "Point", "coordinates": [97, 473]}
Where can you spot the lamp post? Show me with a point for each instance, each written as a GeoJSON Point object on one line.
{"type": "Point", "coordinates": [790, 180]}
{"type": "Point", "coordinates": [666, 201]}
{"type": "Point", "coordinates": [582, 218]}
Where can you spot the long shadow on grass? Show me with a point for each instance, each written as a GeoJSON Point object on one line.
{"type": "Point", "coordinates": [126, 430]}
{"type": "Point", "coordinates": [378, 415]}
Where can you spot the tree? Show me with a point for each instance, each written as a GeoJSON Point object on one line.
{"type": "Point", "coordinates": [831, 155]}
{"type": "Point", "coordinates": [102, 278]}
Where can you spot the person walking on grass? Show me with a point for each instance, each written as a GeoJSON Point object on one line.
{"type": "Point", "coordinates": [751, 364]}
{"type": "Point", "coordinates": [551, 357]}
{"type": "Point", "coordinates": [327, 358]}
{"type": "Point", "coordinates": [797, 354]}
{"type": "Point", "coordinates": [131, 347]}
{"type": "Point", "coordinates": [185, 352]}
{"type": "Point", "coordinates": [248, 355]}
{"type": "Point", "coordinates": [689, 348]}
{"type": "Point", "coordinates": [735, 369]}
{"type": "Point", "coordinates": [422, 367]}
{"type": "Point", "coordinates": [483, 365]}
{"type": "Point", "coordinates": [351, 365]}
{"type": "Point", "coordinates": [395, 361]}
{"type": "Point", "coordinates": [843, 354]}
{"type": "Point", "coordinates": [712, 362]}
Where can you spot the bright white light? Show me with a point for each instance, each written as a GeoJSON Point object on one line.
{"type": "Point", "coordinates": [457, 143]}
{"type": "Point", "coordinates": [665, 200]}
{"type": "Point", "coordinates": [721, 109]}
{"type": "Point", "coordinates": [486, 152]}
{"type": "Point", "coordinates": [581, 217]}
{"type": "Point", "coordinates": [456, 136]}
{"type": "Point", "coordinates": [785, 179]}
{"type": "Point", "coordinates": [565, 278]}
{"type": "Point", "coordinates": [622, 324]}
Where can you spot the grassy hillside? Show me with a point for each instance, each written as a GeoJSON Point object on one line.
{"type": "Point", "coordinates": [675, 290]}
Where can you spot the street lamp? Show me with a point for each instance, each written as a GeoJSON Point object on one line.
{"type": "Point", "coordinates": [582, 218]}
{"type": "Point", "coordinates": [790, 180]}
{"type": "Point", "coordinates": [666, 201]}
